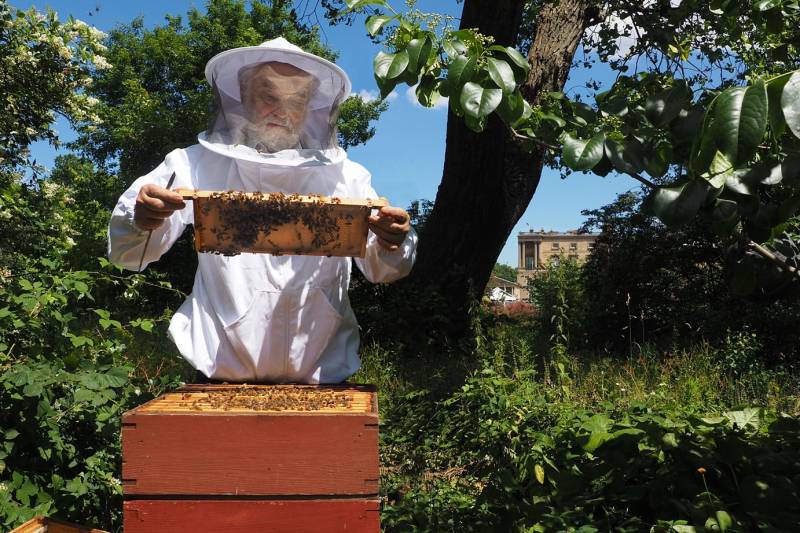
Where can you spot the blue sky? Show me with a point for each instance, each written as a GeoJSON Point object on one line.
{"type": "Point", "coordinates": [407, 153]}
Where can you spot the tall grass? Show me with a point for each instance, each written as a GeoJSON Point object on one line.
{"type": "Point", "coordinates": [704, 377]}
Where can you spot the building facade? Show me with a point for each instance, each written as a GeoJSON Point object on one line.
{"type": "Point", "coordinates": [538, 249]}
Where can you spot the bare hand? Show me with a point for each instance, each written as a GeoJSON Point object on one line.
{"type": "Point", "coordinates": [154, 204]}
{"type": "Point", "coordinates": [390, 225]}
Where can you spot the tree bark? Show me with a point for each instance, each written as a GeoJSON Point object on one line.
{"type": "Point", "coordinates": [488, 179]}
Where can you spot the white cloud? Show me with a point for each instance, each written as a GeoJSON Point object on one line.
{"type": "Point", "coordinates": [368, 95]}
{"type": "Point", "coordinates": [623, 27]}
{"type": "Point", "coordinates": [411, 95]}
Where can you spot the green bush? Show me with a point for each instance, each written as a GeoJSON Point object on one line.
{"type": "Point", "coordinates": [504, 453]}
{"type": "Point", "coordinates": [558, 295]}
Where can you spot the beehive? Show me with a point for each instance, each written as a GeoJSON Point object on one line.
{"type": "Point", "coordinates": [252, 458]}
{"type": "Point", "coordinates": [41, 524]}
{"type": "Point", "coordinates": [232, 222]}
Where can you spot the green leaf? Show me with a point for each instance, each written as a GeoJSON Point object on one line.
{"type": "Point", "coordinates": [454, 47]}
{"type": "Point", "coordinates": [460, 71]}
{"type": "Point", "coordinates": [501, 74]}
{"type": "Point", "coordinates": [25, 284]}
{"type": "Point", "coordinates": [617, 106]}
{"type": "Point", "coordinates": [677, 204]}
{"type": "Point", "coordinates": [357, 4]}
{"type": "Point", "coordinates": [584, 114]}
{"type": "Point", "coordinates": [790, 103]}
{"type": "Point", "coordinates": [719, 170]}
{"type": "Point", "coordinates": [419, 50]}
{"type": "Point", "coordinates": [740, 120]}
{"type": "Point", "coordinates": [476, 124]}
{"type": "Point", "coordinates": [790, 170]}
{"type": "Point", "coordinates": [724, 216]}
{"type": "Point", "coordinates": [539, 473]}
{"type": "Point", "coordinates": [724, 520]}
{"type": "Point", "coordinates": [774, 91]}
{"type": "Point", "coordinates": [83, 395]}
{"type": "Point", "coordinates": [661, 108]}
{"type": "Point", "coordinates": [766, 5]}
{"type": "Point", "coordinates": [748, 417]}
{"type": "Point", "coordinates": [428, 91]}
{"type": "Point", "coordinates": [511, 108]}
{"type": "Point", "coordinates": [625, 156]}
{"type": "Point", "coordinates": [478, 101]}
{"type": "Point", "coordinates": [32, 389]}
{"type": "Point", "coordinates": [118, 376]}
{"type": "Point", "coordinates": [718, 6]}
{"type": "Point", "coordinates": [516, 58]}
{"type": "Point", "coordinates": [583, 154]}
{"type": "Point", "coordinates": [398, 65]}
{"type": "Point", "coordinates": [11, 434]}
{"type": "Point", "coordinates": [390, 66]}
{"type": "Point", "coordinates": [657, 158]}
{"type": "Point", "coordinates": [375, 23]}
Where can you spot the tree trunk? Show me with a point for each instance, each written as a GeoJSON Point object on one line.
{"type": "Point", "coordinates": [488, 179]}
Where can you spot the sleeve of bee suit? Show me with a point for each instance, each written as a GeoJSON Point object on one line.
{"type": "Point", "coordinates": [378, 264]}
{"type": "Point", "coordinates": [125, 241]}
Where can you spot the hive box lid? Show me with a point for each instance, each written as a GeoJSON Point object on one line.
{"type": "Point", "coordinates": [244, 399]}
{"type": "Point", "coordinates": [41, 524]}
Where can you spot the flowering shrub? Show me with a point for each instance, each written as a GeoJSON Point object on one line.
{"type": "Point", "coordinates": [46, 66]}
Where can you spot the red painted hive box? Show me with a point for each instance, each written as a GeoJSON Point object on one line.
{"type": "Point", "coordinates": [279, 458]}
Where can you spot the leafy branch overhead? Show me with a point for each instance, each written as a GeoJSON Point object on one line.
{"type": "Point", "coordinates": [729, 153]}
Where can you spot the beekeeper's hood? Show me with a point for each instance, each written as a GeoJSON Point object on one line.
{"type": "Point", "coordinates": [275, 104]}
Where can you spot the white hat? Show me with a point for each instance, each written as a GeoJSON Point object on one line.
{"type": "Point", "coordinates": [222, 70]}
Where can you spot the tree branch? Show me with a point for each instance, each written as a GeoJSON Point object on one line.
{"type": "Point", "coordinates": [783, 265]}
{"type": "Point", "coordinates": [643, 180]}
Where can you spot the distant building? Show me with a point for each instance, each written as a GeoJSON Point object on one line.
{"type": "Point", "coordinates": [502, 290]}
{"type": "Point", "coordinates": [537, 249]}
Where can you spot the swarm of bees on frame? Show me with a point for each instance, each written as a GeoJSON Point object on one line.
{"type": "Point", "coordinates": [243, 217]}
{"type": "Point", "coordinates": [274, 398]}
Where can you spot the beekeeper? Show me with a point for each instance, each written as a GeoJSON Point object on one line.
{"type": "Point", "coordinates": [260, 317]}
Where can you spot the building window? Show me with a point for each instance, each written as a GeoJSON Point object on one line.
{"type": "Point", "coordinates": [573, 257]}
{"type": "Point", "coordinates": [554, 260]}
{"type": "Point", "coordinates": [573, 246]}
{"type": "Point", "coordinates": [590, 246]}
{"type": "Point", "coordinates": [529, 263]}
{"type": "Point", "coordinates": [555, 246]}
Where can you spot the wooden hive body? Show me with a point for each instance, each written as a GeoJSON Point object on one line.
{"type": "Point", "coordinates": [41, 524]}
{"type": "Point", "coordinates": [298, 224]}
{"type": "Point", "coordinates": [252, 458]}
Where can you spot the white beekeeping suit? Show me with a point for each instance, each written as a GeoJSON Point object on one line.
{"type": "Point", "coordinates": [259, 317]}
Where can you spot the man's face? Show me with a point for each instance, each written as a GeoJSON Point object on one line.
{"type": "Point", "coordinates": [275, 98]}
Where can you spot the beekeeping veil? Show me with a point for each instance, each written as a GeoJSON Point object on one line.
{"type": "Point", "coordinates": [274, 101]}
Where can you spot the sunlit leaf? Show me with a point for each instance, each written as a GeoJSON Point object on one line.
{"type": "Point", "coordinates": [740, 121]}
{"type": "Point", "coordinates": [790, 103]}
{"type": "Point", "coordinates": [583, 154]}
{"type": "Point", "coordinates": [478, 101]}
{"type": "Point", "coordinates": [375, 23]}
{"type": "Point", "coordinates": [501, 74]}
{"type": "Point", "coordinates": [459, 72]}
{"type": "Point", "coordinates": [419, 50]}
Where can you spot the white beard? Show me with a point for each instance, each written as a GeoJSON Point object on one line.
{"type": "Point", "coordinates": [265, 139]}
